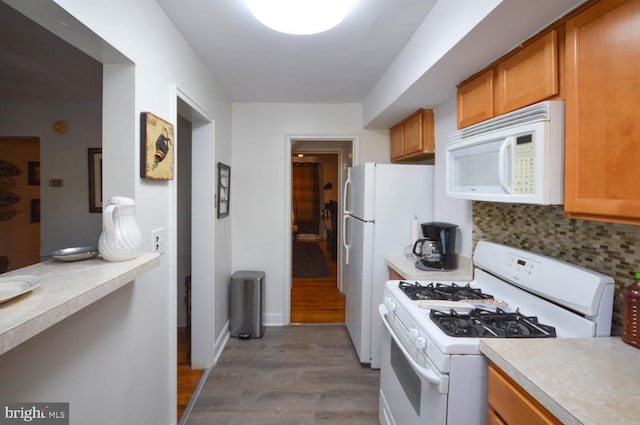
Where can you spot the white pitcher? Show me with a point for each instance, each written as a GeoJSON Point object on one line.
{"type": "Point", "coordinates": [121, 238]}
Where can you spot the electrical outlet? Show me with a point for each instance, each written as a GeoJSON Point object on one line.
{"type": "Point", "coordinates": [158, 239]}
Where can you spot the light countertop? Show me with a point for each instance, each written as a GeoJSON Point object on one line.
{"type": "Point", "coordinates": [407, 269]}
{"type": "Point", "coordinates": [66, 288]}
{"type": "Point", "coordinates": [584, 381]}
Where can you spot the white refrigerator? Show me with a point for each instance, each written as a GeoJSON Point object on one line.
{"type": "Point", "coordinates": [380, 201]}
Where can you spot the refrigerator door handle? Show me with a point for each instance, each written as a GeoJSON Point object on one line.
{"type": "Point", "coordinates": [345, 216]}
{"type": "Point", "coordinates": [345, 194]}
{"type": "Point", "coordinates": [344, 238]}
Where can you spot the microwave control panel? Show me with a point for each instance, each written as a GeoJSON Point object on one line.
{"type": "Point", "coordinates": [523, 164]}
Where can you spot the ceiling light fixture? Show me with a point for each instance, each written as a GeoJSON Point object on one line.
{"type": "Point", "coordinates": [300, 17]}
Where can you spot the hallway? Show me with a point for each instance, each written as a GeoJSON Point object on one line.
{"type": "Point", "coordinates": [318, 300]}
{"type": "Point", "coordinates": [298, 375]}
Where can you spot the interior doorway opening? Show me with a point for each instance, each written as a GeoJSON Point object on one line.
{"type": "Point", "coordinates": [195, 249]}
{"type": "Point", "coordinates": [318, 169]}
{"type": "Point", "coordinates": [19, 202]}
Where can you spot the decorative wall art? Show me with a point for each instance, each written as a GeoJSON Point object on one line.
{"type": "Point", "coordinates": [95, 180]}
{"type": "Point", "coordinates": [34, 173]}
{"type": "Point", "coordinates": [224, 185]}
{"type": "Point", "coordinates": [34, 212]}
{"type": "Point", "coordinates": [9, 173]}
{"type": "Point", "coordinates": [156, 156]}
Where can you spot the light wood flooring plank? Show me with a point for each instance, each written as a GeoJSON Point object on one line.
{"type": "Point", "coordinates": [318, 300]}
{"type": "Point", "coordinates": [303, 375]}
{"type": "Point", "coordinates": [188, 378]}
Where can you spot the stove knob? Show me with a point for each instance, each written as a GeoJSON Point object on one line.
{"type": "Point", "coordinates": [390, 304]}
{"type": "Point", "coordinates": [413, 334]}
{"type": "Point", "coordinates": [421, 343]}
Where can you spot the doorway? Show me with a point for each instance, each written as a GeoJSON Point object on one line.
{"type": "Point", "coordinates": [188, 377]}
{"type": "Point", "coordinates": [19, 202]}
{"type": "Point", "coordinates": [317, 171]}
{"type": "Point", "coordinates": [195, 250]}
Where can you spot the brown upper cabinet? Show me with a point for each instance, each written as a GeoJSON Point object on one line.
{"type": "Point", "coordinates": [475, 99]}
{"type": "Point", "coordinates": [602, 141]}
{"type": "Point", "coordinates": [413, 139]}
{"type": "Point", "coordinates": [527, 76]}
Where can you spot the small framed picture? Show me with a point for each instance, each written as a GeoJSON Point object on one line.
{"type": "Point", "coordinates": [157, 147]}
{"type": "Point", "coordinates": [224, 185]}
{"type": "Point", "coordinates": [34, 213]}
{"type": "Point", "coordinates": [34, 173]}
{"type": "Point", "coordinates": [95, 180]}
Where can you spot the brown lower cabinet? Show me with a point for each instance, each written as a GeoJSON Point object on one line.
{"type": "Point", "coordinates": [393, 275]}
{"type": "Point", "coordinates": [509, 404]}
{"type": "Point", "coordinates": [493, 418]}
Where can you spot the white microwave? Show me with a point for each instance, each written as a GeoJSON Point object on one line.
{"type": "Point", "coordinates": [517, 157]}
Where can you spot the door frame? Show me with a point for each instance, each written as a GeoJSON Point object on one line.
{"type": "Point", "coordinates": [203, 343]}
{"type": "Point", "coordinates": [342, 175]}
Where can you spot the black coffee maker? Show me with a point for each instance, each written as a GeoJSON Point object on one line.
{"type": "Point", "coordinates": [443, 239]}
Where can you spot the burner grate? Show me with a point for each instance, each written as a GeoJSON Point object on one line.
{"type": "Point", "coordinates": [491, 324]}
{"type": "Point", "coordinates": [441, 291]}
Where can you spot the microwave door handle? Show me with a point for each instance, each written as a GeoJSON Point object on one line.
{"type": "Point", "coordinates": [504, 165]}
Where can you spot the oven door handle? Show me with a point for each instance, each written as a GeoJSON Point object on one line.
{"type": "Point", "coordinates": [441, 382]}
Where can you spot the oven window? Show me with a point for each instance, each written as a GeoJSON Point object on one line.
{"type": "Point", "coordinates": [409, 380]}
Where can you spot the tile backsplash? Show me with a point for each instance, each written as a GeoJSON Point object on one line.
{"type": "Point", "coordinates": [611, 249]}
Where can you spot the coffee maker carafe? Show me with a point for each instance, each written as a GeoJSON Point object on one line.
{"type": "Point", "coordinates": [442, 243]}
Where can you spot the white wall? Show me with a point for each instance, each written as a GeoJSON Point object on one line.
{"type": "Point", "coordinates": [115, 361]}
{"type": "Point", "coordinates": [65, 217]}
{"type": "Point", "coordinates": [374, 146]}
{"type": "Point", "coordinates": [451, 210]}
{"type": "Point", "coordinates": [259, 192]}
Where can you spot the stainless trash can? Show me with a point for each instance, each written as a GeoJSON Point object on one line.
{"type": "Point", "coordinates": [246, 304]}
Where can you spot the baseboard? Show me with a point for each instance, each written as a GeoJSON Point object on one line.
{"type": "Point", "coordinates": [220, 343]}
{"type": "Point", "coordinates": [273, 319]}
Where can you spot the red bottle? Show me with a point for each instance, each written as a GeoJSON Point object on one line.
{"type": "Point", "coordinates": [631, 313]}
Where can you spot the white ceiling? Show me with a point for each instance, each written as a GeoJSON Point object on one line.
{"type": "Point", "coordinates": [37, 66]}
{"type": "Point", "coordinates": [257, 64]}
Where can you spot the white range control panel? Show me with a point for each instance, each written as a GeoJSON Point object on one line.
{"type": "Point", "coordinates": [521, 268]}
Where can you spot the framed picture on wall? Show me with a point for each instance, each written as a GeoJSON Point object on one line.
{"type": "Point", "coordinates": [157, 147]}
{"type": "Point", "coordinates": [224, 180]}
{"type": "Point", "coordinates": [95, 180]}
{"type": "Point", "coordinates": [34, 211]}
{"type": "Point", "coordinates": [34, 173]}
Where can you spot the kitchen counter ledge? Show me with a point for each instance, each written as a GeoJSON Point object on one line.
{"type": "Point", "coordinates": [406, 268]}
{"type": "Point", "coordinates": [66, 288]}
{"type": "Point", "coordinates": [582, 381]}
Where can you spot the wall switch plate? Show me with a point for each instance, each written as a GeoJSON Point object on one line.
{"type": "Point", "coordinates": [158, 240]}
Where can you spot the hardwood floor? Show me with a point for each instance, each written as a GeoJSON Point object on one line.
{"type": "Point", "coordinates": [293, 375]}
{"type": "Point", "coordinates": [188, 378]}
{"type": "Point", "coordinates": [318, 300]}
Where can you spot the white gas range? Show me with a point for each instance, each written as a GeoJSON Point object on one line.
{"type": "Point", "coordinates": [432, 371]}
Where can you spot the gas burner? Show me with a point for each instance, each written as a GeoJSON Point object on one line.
{"type": "Point", "coordinates": [441, 291]}
{"type": "Point", "coordinates": [491, 324]}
